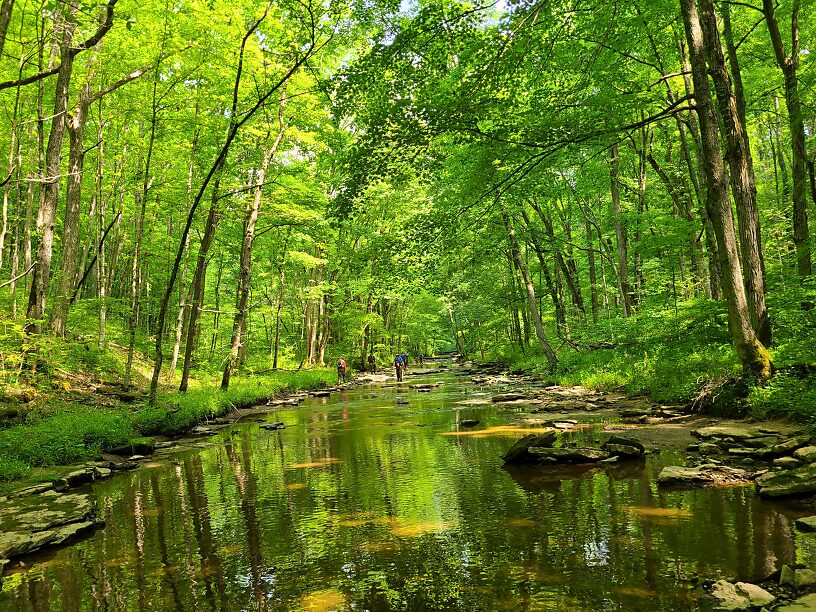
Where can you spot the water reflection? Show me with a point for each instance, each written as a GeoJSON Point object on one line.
{"type": "Point", "coordinates": [364, 504]}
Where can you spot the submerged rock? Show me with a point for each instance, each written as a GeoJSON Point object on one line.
{"type": "Point", "coordinates": [705, 474]}
{"type": "Point", "coordinates": [740, 596]}
{"type": "Point", "coordinates": [520, 451]}
{"type": "Point", "coordinates": [470, 422]}
{"type": "Point", "coordinates": [798, 481]}
{"type": "Point", "coordinates": [273, 426]}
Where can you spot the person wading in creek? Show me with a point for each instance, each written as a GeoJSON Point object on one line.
{"type": "Point", "coordinates": [342, 369]}
{"type": "Point", "coordinates": [405, 361]}
{"type": "Point", "coordinates": [398, 364]}
{"type": "Point", "coordinates": [372, 364]}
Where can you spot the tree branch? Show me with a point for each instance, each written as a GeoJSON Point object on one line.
{"type": "Point", "coordinates": [103, 29]}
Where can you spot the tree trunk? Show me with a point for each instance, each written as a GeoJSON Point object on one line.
{"type": "Point", "coordinates": [780, 154]}
{"type": "Point", "coordinates": [743, 183]}
{"type": "Point", "coordinates": [620, 233]}
{"type": "Point", "coordinates": [552, 289]}
{"type": "Point", "coordinates": [53, 157]}
{"type": "Point", "coordinates": [752, 353]}
{"type": "Point", "coordinates": [593, 274]}
{"type": "Point", "coordinates": [789, 64]}
{"type": "Point", "coordinates": [279, 305]}
{"type": "Point", "coordinates": [199, 278]}
{"type": "Point", "coordinates": [5, 17]}
{"type": "Point", "coordinates": [217, 310]}
{"type": "Point", "coordinates": [184, 304]}
{"type": "Point", "coordinates": [531, 297]}
{"type": "Point", "coordinates": [73, 202]}
{"type": "Point", "coordinates": [244, 267]}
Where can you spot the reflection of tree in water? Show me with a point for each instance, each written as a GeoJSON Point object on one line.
{"type": "Point", "coordinates": [382, 514]}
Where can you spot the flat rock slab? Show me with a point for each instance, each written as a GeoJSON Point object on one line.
{"type": "Point", "coordinates": [803, 604]}
{"type": "Point", "coordinates": [567, 455]}
{"type": "Point", "coordinates": [706, 474]}
{"type": "Point", "coordinates": [806, 523]}
{"type": "Point", "coordinates": [428, 386]}
{"type": "Point", "coordinates": [32, 523]}
{"type": "Point", "coordinates": [508, 397]}
{"type": "Point", "coordinates": [798, 481]}
{"type": "Point", "coordinates": [737, 432]}
{"type": "Point", "coordinates": [292, 401]}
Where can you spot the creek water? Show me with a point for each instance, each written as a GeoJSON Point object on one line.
{"type": "Point", "coordinates": [362, 503]}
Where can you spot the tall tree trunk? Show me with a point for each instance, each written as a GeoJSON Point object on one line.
{"type": "Point", "coordinates": [244, 267]}
{"type": "Point", "coordinates": [516, 329]}
{"type": "Point", "coordinates": [620, 233]}
{"type": "Point", "coordinates": [14, 151]}
{"type": "Point", "coordinates": [73, 202]}
{"type": "Point", "coordinates": [199, 278]}
{"type": "Point", "coordinates": [780, 153]}
{"type": "Point", "coordinates": [217, 309]}
{"type": "Point", "coordinates": [789, 64]}
{"type": "Point", "coordinates": [752, 353]}
{"type": "Point", "coordinates": [555, 293]}
{"type": "Point", "coordinates": [531, 297]}
{"type": "Point", "coordinates": [593, 274]}
{"type": "Point", "coordinates": [743, 183]}
{"type": "Point", "coordinates": [5, 17]}
{"type": "Point", "coordinates": [53, 157]}
{"type": "Point", "coordinates": [279, 304]}
{"type": "Point", "coordinates": [812, 175]}
{"type": "Point", "coordinates": [184, 304]}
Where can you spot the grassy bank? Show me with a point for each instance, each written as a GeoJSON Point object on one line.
{"type": "Point", "coordinates": [59, 417]}
{"type": "Point", "coordinates": [673, 355]}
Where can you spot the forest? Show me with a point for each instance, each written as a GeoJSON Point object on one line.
{"type": "Point", "coordinates": [203, 202]}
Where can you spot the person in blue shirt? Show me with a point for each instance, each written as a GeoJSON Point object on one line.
{"type": "Point", "coordinates": [398, 367]}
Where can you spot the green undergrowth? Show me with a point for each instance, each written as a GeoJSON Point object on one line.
{"type": "Point", "coordinates": [671, 355]}
{"type": "Point", "coordinates": [63, 432]}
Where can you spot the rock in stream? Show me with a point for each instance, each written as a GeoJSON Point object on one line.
{"type": "Point", "coordinates": [28, 524]}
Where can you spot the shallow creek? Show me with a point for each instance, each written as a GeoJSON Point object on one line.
{"type": "Point", "coordinates": [365, 504]}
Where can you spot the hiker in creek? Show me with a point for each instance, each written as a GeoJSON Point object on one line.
{"type": "Point", "coordinates": [372, 364]}
{"type": "Point", "coordinates": [421, 359]}
{"type": "Point", "coordinates": [405, 361]}
{"type": "Point", "coordinates": [342, 370]}
{"type": "Point", "coordinates": [398, 364]}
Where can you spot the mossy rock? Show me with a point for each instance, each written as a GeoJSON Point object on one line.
{"type": "Point", "coordinates": [135, 446]}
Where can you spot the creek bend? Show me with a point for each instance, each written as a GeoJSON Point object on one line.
{"type": "Point", "coordinates": [364, 503]}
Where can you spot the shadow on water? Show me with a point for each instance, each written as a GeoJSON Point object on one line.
{"type": "Point", "coordinates": [364, 503]}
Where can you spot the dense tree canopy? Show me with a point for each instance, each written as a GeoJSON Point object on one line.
{"type": "Point", "coordinates": [241, 186]}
